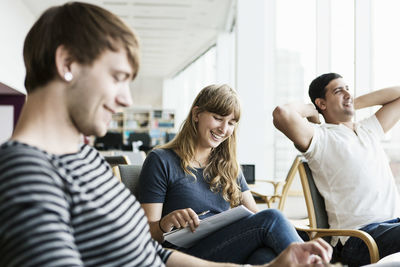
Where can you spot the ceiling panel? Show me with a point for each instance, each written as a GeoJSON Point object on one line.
{"type": "Point", "coordinates": [172, 33]}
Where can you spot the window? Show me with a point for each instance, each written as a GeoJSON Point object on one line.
{"type": "Point", "coordinates": [295, 61]}
{"type": "Point", "coordinates": [180, 91]}
{"type": "Point", "coordinates": [385, 65]}
{"type": "Point", "coordinates": [342, 40]}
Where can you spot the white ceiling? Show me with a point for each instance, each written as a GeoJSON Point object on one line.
{"type": "Point", "coordinates": [172, 33]}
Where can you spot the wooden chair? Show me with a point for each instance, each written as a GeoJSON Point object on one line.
{"type": "Point", "coordinates": [281, 196]}
{"type": "Point", "coordinates": [117, 160]}
{"type": "Point", "coordinates": [129, 176]}
{"type": "Point", "coordinates": [318, 218]}
{"type": "Point", "coordinates": [135, 158]}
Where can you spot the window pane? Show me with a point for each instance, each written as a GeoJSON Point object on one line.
{"type": "Point", "coordinates": [342, 40]}
{"type": "Point", "coordinates": [295, 61]}
{"type": "Point", "coordinates": [386, 58]}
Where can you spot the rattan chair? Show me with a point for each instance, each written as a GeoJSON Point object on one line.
{"type": "Point", "coordinates": [117, 160]}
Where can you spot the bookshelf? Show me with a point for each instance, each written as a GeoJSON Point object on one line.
{"type": "Point", "coordinates": [156, 122]}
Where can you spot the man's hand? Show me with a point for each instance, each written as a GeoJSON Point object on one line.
{"type": "Point", "coordinates": [304, 254]}
{"type": "Point", "coordinates": [314, 116]}
{"type": "Point", "coordinates": [313, 253]}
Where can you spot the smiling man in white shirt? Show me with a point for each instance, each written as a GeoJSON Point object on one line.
{"type": "Point", "coordinates": [348, 163]}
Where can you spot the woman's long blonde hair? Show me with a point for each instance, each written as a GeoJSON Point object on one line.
{"type": "Point", "coordinates": [222, 169]}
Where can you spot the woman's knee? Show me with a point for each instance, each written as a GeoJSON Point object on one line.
{"type": "Point", "coordinates": [270, 215]}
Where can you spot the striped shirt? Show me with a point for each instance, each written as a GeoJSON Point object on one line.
{"type": "Point", "coordinates": [69, 210]}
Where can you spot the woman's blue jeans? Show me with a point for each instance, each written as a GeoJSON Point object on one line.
{"type": "Point", "coordinates": [256, 239]}
{"type": "Point", "coordinates": [386, 235]}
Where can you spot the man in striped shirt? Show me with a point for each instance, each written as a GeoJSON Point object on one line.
{"type": "Point", "coordinates": [59, 202]}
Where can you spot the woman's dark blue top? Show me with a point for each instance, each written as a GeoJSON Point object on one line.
{"type": "Point", "coordinates": [163, 180]}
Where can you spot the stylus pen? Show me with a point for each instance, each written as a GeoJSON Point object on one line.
{"type": "Point", "coordinates": [198, 214]}
{"type": "Point", "coordinates": [203, 213]}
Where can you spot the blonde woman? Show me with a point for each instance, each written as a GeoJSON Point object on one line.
{"type": "Point", "coordinates": [198, 171]}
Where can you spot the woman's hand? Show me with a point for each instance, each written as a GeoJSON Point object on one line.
{"type": "Point", "coordinates": [180, 219]}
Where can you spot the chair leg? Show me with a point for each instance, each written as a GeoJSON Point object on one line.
{"type": "Point", "coordinates": [268, 203]}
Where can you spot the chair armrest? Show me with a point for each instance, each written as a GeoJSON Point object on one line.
{"type": "Point", "coordinates": [300, 223]}
{"type": "Point", "coordinates": [276, 184]}
{"type": "Point", "coordinates": [267, 198]}
{"type": "Point", "coordinates": [364, 236]}
{"type": "Point", "coordinates": [116, 173]}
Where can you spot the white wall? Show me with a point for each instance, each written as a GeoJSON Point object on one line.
{"type": "Point", "coordinates": [6, 122]}
{"type": "Point", "coordinates": [15, 22]}
{"type": "Point", "coordinates": [225, 59]}
{"type": "Point", "coordinates": [147, 92]}
{"type": "Point", "coordinates": [255, 74]}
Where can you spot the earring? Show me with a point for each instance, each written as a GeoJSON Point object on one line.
{"type": "Point", "coordinates": [68, 76]}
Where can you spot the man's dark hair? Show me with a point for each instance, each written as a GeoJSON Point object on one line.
{"type": "Point", "coordinates": [317, 87]}
{"type": "Point", "coordinates": [85, 30]}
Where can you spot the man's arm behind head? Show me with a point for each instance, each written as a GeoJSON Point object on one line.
{"type": "Point", "coordinates": [389, 114]}
{"type": "Point", "coordinates": [290, 120]}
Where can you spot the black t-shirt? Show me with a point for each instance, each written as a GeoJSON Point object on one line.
{"type": "Point", "coordinates": [163, 180]}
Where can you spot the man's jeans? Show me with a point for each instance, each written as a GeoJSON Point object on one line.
{"type": "Point", "coordinates": [256, 239]}
{"type": "Point", "coordinates": [386, 235]}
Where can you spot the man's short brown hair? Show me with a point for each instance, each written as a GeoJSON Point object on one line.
{"type": "Point", "coordinates": [85, 30]}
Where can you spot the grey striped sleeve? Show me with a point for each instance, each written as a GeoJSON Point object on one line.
{"type": "Point", "coordinates": [33, 213]}
{"type": "Point", "coordinates": [69, 210]}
